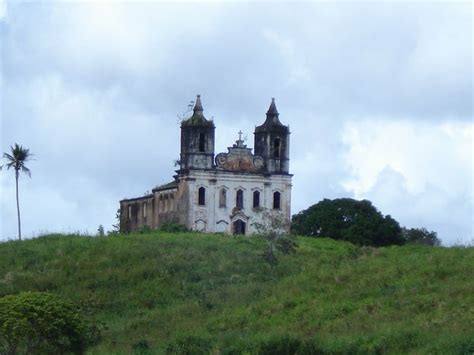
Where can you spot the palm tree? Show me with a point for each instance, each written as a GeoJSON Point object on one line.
{"type": "Point", "coordinates": [16, 160]}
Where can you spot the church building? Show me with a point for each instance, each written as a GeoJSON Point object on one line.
{"type": "Point", "coordinates": [231, 192]}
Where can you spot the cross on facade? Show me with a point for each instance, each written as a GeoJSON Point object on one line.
{"type": "Point", "coordinates": [240, 135]}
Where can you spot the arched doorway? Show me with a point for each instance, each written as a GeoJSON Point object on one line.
{"type": "Point", "coordinates": [239, 227]}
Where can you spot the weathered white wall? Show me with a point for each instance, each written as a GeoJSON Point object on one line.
{"type": "Point", "coordinates": [212, 218]}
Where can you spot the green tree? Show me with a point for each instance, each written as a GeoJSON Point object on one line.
{"type": "Point", "coordinates": [16, 160]}
{"type": "Point", "coordinates": [421, 236]}
{"type": "Point", "coordinates": [347, 219]}
{"type": "Point", "coordinates": [43, 323]}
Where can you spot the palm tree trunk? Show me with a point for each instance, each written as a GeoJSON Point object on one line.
{"type": "Point", "coordinates": [18, 204]}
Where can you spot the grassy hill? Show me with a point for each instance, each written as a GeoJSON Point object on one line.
{"type": "Point", "coordinates": [156, 290]}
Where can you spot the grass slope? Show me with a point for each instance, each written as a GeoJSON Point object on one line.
{"type": "Point", "coordinates": [152, 289]}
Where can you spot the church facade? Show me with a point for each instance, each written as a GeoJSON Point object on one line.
{"type": "Point", "coordinates": [231, 192]}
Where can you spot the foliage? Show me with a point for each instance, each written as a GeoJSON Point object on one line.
{"type": "Point", "coordinates": [173, 228]}
{"type": "Point", "coordinates": [421, 236]}
{"type": "Point", "coordinates": [286, 345]}
{"type": "Point", "coordinates": [189, 345]}
{"type": "Point", "coordinates": [124, 226]}
{"type": "Point", "coordinates": [115, 227]}
{"type": "Point", "coordinates": [273, 230]}
{"type": "Point", "coordinates": [16, 160]}
{"type": "Point", "coordinates": [100, 231]}
{"type": "Point", "coordinates": [144, 230]}
{"type": "Point", "coordinates": [354, 221]}
{"type": "Point", "coordinates": [141, 347]}
{"type": "Point", "coordinates": [333, 297]}
{"type": "Point", "coordinates": [37, 322]}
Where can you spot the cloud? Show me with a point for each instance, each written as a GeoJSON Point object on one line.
{"type": "Point", "coordinates": [421, 174]}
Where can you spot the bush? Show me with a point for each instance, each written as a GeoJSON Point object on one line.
{"type": "Point", "coordinates": [273, 230]}
{"type": "Point", "coordinates": [141, 347]}
{"type": "Point", "coordinates": [144, 230]}
{"type": "Point", "coordinates": [189, 345]}
{"type": "Point", "coordinates": [38, 322]}
{"type": "Point", "coordinates": [462, 344]}
{"type": "Point", "coordinates": [287, 345]}
{"type": "Point", "coordinates": [173, 228]}
{"type": "Point", "coordinates": [279, 345]}
{"type": "Point", "coordinates": [421, 236]}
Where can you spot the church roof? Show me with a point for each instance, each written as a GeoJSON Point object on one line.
{"type": "Point", "coordinates": [168, 186]}
{"type": "Point", "coordinates": [272, 122]}
{"type": "Point", "coordinates": [197, 119]}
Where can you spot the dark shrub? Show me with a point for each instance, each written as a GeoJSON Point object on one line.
{"type": "Point", "coordinates": [279, 345]}
{"type": "Point", "coordinates": [189, 345]}
{"type": "Point", "coordinates": [37, 322]}
{"type": "Point", "coordinates": [173, 228]}
{"type": "Point", "coordinates": [141, 347]}
{"type": "Point", "coordinates": [358, 222]}
{"type": "Point", "coordinates": [421, 236]}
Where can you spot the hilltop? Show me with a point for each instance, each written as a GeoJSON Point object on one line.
{"type": "Point", "coordinates": [154, 290]}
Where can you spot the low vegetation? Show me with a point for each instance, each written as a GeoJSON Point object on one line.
{"type": "Point", "coordinates": [194, 293]}
{"type": "Point", "coordinates": [43, 323]}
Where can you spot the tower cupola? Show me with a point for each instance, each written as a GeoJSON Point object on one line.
{"type": "Point", "coordinates": [197, 140]}
{"type": "Point", "coordinates": [197, 118]}
{"type": "Point", "coordinates": [272, 142]}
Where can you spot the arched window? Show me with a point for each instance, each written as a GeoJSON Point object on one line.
{"type": "Point", "coordinates": [256, 199]}
{"type": "Point", "coordinates": [223, 198]}
{"type": "Point", "coordinates": [276, 147]}
{"type": "Point", "coordinates": [276, 200]}
{"type": "Point", "coordinates": [202, 196]}
{"type": "Point", "coordinates": [144, 209]}
{"type": "Point", "coordinates": [202, 142]}
{"type": "Point", "coordinates": [239, 199]}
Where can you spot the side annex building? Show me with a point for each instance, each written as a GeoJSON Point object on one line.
{"type": "Point", "coordinates": [229, 192]}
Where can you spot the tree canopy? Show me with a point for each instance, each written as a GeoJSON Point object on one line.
{"type": "Point", "coordinates": [347, 219]}
{"type": "Point", "coordinates": [421, 236]}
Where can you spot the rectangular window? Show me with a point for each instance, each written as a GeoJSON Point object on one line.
{"type": "Point", "coordinates": [129, 212]}
{"type": "Point", "coordinates": [144, 209]}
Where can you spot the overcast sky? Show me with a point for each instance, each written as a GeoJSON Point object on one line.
{"type": "Point", "coordinates": [378, 97]}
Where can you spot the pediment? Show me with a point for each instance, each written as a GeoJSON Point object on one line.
{"type": "Point", "coordinates": [239, 159]}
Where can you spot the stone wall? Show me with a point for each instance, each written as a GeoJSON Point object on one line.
{"type": "Point", "coordinates": [150, 211]}
{"type": "Point", "coordinates": [137, 213]}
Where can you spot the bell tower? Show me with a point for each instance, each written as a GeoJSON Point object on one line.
{"type": "Point", "coordinates": [197, 140]}
{"type": "Point", "coordinates": [272, 142]}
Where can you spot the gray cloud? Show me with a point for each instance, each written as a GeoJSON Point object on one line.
{"type": "Point", "coordinates": [437, 209]}
{"type": "Point", "coordinates": [94, 89]}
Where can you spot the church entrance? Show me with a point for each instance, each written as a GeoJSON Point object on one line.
{"type": "Point", "coordinates": [239, 227]}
